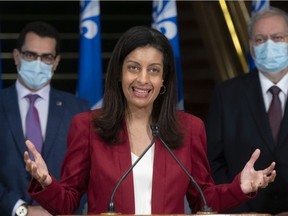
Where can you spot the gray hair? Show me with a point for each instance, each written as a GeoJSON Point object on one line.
{"type": "Point", "coordinates": [272, 11]}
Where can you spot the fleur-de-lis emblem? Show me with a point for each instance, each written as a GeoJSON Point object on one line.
{"type": "Point", "coordinates": [90, 10]}
{"type": "Point", "coordinates": [164, 18]}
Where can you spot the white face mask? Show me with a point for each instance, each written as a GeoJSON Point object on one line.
{"type": "Point", "coordinates": [35, 74]}
{"type": "Point", "coordinates": [271, 57]}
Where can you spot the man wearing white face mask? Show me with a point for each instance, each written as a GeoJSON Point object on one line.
{"type": "Point", "coordinates": [32, 109]}
{"type": "Point", "coordinates": [246, 113]}
{"type": "Point", "coordinates": [35, 73]}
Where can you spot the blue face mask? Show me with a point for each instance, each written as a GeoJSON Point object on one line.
{"type": "Point", "coordinates": [35, 74]}
{"type": "Point", "coordinates": [271, 57]}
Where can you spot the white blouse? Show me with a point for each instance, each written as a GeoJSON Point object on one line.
{"type": "Point", "coordinates": [142, 179]}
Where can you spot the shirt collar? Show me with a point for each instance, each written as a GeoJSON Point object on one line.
{"type": "Point", "coordinates": [22, 91]}
{"type": "Point", "coordinates": [266, 83]}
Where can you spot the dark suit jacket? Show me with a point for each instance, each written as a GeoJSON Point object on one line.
{"type": "Point", "coordinates": [14, 179]}
{"type": "Point", "coordinates": [92, 165]}
{"type": "Point", "coordinates": [237, 124]}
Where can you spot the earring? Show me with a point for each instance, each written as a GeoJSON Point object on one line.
{"type": "Point", "coordinates": [163, 90]}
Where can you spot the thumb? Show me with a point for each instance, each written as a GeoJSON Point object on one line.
{"type": "Point", "coordinates": [254, 157]}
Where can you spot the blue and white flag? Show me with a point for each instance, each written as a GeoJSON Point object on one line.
{"type": "Point", "coordinates": [257, 6]}
{"type": "Point", "coordinates": [164, 16]}
{"type": "Point", "coordinates": [90, 84]}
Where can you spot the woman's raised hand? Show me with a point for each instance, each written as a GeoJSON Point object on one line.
{"type": "Point", "coordinates": [37, 168]}
{"type": "Point", "coordinates": [252, 180]}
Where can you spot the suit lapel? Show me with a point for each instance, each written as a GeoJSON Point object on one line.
{"type": "Point", "coordinates": [283, 135]}
{"type": "Point", "coordinates": [256, 105]}
{"type": "Point", "coordinates": [126, 189]}
{"type": "Point", "coordinates": [11, 109]}
{"type": "Point", "coordinates": [55, 116]}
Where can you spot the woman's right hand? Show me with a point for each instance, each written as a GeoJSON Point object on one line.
{"type": "Point", "coordinates": [37, 168]}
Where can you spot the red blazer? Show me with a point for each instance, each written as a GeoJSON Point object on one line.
{"type": "Point", "coordinates": [90, 165]}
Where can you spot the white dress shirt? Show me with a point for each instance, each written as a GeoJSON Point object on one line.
{"type": "Point", "coordinates": [266, 84]}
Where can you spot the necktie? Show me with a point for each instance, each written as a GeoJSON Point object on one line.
{"type": "Point", "coordinates": [33, 127]}
{"type": "Point", "coordinates": [275, 112]}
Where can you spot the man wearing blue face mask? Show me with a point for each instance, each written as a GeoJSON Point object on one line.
{"type": "Point", "coordinates": [32, 109]}
{"type": "Point", "coordinates": [250, 111]}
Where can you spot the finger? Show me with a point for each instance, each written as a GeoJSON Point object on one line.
{"type": "Point", "coordinates": [272, 176]}
{"type": "Point", "coordinates": [265, 182]}
{"type": "Point", "coordinates": [30, 145]}
{"type": "Point", "coordinates": [26, 156]}
{"type": "Point", "coordinates": [28, 165]}
{"type": "Point", "coordinates": [269, 169]}
{"type": "Point", "coordinates": [31, 148]}
{"type": "Point", "coordinates": [28, 161]}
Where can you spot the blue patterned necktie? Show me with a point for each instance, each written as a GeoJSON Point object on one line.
{"type": "Point", "coordinates": [275, 112]}
{"type": "Point", "coordinates": [33, 127]}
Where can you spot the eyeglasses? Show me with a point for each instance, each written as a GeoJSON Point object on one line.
{"type": "Point", "coordinates": [260, 39]}
{"type": "Point", "coordinates": [31, 56]}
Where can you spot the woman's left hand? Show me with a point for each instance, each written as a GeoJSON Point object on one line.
{"type": "Point", "coordinates": [252, 180]}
